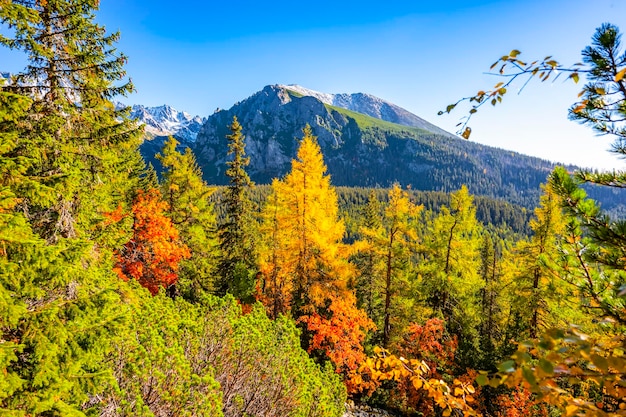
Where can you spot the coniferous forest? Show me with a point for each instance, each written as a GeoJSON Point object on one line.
{"type": "Point", "coordinates": [127, 293]}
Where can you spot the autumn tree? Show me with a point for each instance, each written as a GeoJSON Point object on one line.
{"type": "Point", "coordinates": [537, 288]}
{"type": "Point", "coordinates": [450, 272]}
{"type": "Point", "coordinates": [153, 255]}
{"type": "Point", "coordinates": [339, 332]}
{"type": "Point", "coordinates": [593, 240]}
{"type": "Point", "coordinates": [303, 210]}
{"type": "Point", "coordinates": [432, 344]}
{"type": "Point", "coordinates": [304, 263]}
{"type": "Point", "coordinates": [190, 211]}
{"type": "Point", "coordinates": [388, 244]}
{"type": "Point", "coordinates": [236, 234]}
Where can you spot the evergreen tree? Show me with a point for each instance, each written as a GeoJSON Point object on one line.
{"type": "Point", "coordinates": [367, 261]}
{"type": "Point", "coordinates": [236, 234]}
{"type": "Point", "coordinates": [70, 164]}
{"type": "Point", "coordinates": [84, 152]}
{"type": "Point", "coordinates": [189, 209]}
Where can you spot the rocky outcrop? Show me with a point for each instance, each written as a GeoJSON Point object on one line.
{"type": "Point", "coordinates": [272, 119]}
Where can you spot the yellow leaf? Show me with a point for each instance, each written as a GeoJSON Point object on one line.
{"type": "Point", "coordinates": [620, 75]}
{"type": "Point", "coordinates": [571, 409]}
{"type": "Point", "coordinates": [417, 383]}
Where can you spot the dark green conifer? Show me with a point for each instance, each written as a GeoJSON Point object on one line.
{"type": "Point", "coordinates": [238, 259]}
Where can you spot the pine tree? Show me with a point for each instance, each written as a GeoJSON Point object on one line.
{"type": "Point", "coordinates": [236, 234]}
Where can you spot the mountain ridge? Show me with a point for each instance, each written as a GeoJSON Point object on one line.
{"type": "Point", "coordinates": [369, 105]}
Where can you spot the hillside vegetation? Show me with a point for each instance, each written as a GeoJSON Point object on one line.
{"type": "Point", "coordinates": [125, 293]}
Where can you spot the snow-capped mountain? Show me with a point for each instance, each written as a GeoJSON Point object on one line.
{"type": "Point", "coordinates": [167, 121]}
{"type": "Point", "coordinates": [160, 123]}
{"type": "Point", "coordinates": [369, 105]}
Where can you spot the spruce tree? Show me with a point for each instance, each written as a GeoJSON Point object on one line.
{"type": "Point", "coordinates": [236, 233]}
{"type": "Point", "coordinates": [84, 151]}
{"type": "Point", "coordinates": [70, 164]}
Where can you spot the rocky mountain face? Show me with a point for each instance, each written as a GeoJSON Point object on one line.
{"type": "Point", "coordinates": [361, 149]}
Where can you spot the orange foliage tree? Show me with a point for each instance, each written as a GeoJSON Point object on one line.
{"type": "Point", "coordinates": [154, 252]}
{"type": "Point", "coordinates": [339, 333]}
{"type": "Point", "coordinates": [430, 343]}
{"type": "Point", "coordinates": [519, 403]}
{"type": "Point", "coordinates": [456, 398]}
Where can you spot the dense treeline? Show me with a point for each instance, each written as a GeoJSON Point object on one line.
{"type": "Point", "coordinates": [352, 200]}
{"type": "Point", "coordinates": [124, 294]}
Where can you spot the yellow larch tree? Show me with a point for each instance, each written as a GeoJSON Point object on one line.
{"type": "Point", "coordinates": [302, 251]}
{"type": "Point", "coordinates": [304, 264]}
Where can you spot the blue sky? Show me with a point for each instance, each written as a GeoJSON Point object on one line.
{"type": "Point", "coordinates": [422, 55]}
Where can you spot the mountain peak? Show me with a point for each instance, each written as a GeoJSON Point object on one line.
{"type": "Point", "coordinates": [369, 105]}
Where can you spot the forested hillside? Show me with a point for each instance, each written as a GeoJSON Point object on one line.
{"type": "Point", "coordinates": [127, 294]}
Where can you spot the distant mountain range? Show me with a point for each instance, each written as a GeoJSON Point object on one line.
{"type": "Point", "coordinates": [165, 121]}
{"type": "Point", "coordinates": [160, 123]}
{"type": "Point", "coordinates": [366, 141]}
